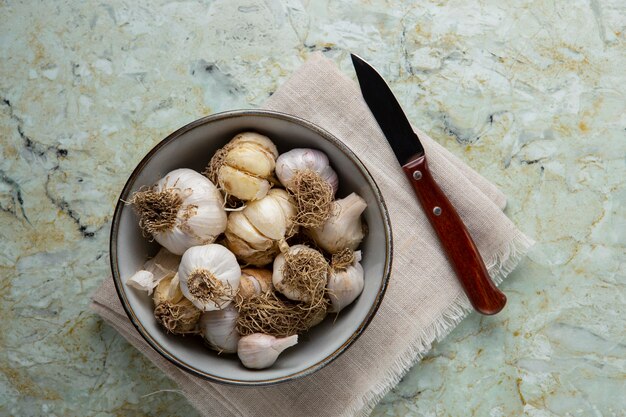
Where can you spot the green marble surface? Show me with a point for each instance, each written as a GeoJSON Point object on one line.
{"type": "Point", "coordinates": [532, 94]}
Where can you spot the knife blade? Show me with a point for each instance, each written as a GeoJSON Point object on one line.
{"type": "Point", "coordinates": [455, 239]}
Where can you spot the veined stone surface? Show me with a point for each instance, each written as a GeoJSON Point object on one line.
{"type": "Point", "coordinates": [532, 94]}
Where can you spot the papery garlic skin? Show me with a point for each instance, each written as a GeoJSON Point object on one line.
{"type": "Point", "coordinates": [301, 159]}
{"type": "Point", "coordinates": [247, 167]}
{"type": "Point", "coordinates": [255, 281]}
{"type": "Point", "coordinates": [344, 228]}
{"type": "Point", "coordinates": [252, 234]}
{"type": "Point", "coordinates": [259, 351]}
{"type": "Point", "coordinates": [163, 264]}
{"type": "Point", "coordinates": [344, 286]}
{"type": "Point", "coordinates": [201, 217]}
{"type": "Point", "coordinates": [213, 264]}
{"type": "Point", "coordinates": [219, 329]}
{"type": "Point", "coordinates": [142, 280]}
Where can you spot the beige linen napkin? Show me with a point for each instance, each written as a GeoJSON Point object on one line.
{"type": "Point", "coordinates": [423, 301]}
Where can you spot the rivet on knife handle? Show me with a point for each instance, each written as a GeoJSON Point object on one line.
{"type": "Point", "coordinates": [462, 253]}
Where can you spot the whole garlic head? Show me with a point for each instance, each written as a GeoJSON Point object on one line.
{"type": "Point", "coordinates": [183, 209]}
{"type": "Point", "coordinates": [219, 329]}
{"type": "Point", "coordinates": [244, 166]}
{"type": "Point", "coordinates": [209, 276]}
{"type": "Point", "coordinates": [345, 285]}
{"type": "Point", "coordinates": [259, 351]}
{"type": "Point", "coordinates": [301, 159]}
{"type": "Point", "coordinates": [300, 274]}
{"type": "Point", "coordinates": [252, 234]}
{"type": "Point", "coordinates": [344, 228]}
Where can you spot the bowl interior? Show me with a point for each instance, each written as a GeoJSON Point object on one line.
{"type": "Point", "coordinates": [192, 147]}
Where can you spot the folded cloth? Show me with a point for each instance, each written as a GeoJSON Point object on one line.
{"type": "Point", "coordinates": [424, 301]}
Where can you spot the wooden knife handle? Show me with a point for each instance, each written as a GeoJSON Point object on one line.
{"type": "Point", "coordinates": [455, 239]}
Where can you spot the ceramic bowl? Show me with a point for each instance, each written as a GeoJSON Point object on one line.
{"type": "Point", "coordinates": [191, 147]}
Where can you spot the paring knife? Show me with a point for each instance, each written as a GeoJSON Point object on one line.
{"type": "Point", "coordinates": [453, 235]}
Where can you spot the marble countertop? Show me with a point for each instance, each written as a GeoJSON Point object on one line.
{"type": "Point", "coordinates": [531, 94]}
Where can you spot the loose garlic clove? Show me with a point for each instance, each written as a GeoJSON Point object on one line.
{"type": "Point", "coordinates": [259, 351]}
{"type": "Point", "coordinates": [244, 167]}
{"type": "Point", "coordinates": [219, 329]}
{"type": "Point", "coordinates": [252, 234]}
{"type": "Point", "coordinates": [344, 228]}
{"type": "Point", "coordinates": [301, 159]}
{"type": "Point", "coordinates": [209, 276]}
{"type": "Point", "coordinates": [142, 280]}
{"type": "Point", "coordinates": [254, 281]}
{"type": "Point", "coordinates": [183, 209]}
{"type": "Point", "coordinates": [300, 274]}
{"type": "Point", "coordinates": [345, 285]}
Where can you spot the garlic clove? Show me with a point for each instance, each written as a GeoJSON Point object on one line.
{"type": "Point", "coordinates": [240, 226]}
{"type": "Point", "coordinates": [247, 158]}
{"type": "Point", "coordinates": [209, 276]}
{"type": "Point", "coordinates": [219, 329]}
{"type": "Point", "coordinates": [168, 290]}
{"type": "Point", "coordinates": [301, 159]}
{"type": "Point", "coordinates": [262, 142]}
{"type": "Point", "coordinates": [248, 254]}
{"type": "Point", "coordinates": [267, 216]}
{"type": "Point", "coordinates": [242, 185]}
{"type": "Point", "coordinates": [259, 351]}
{"type": "Point", "coordinates": [254, 281]}
{"type": "Point", "coordinates": [286, 202]}
{"type": "Point", "coordinates": [344, 286]}
{"type": "Point", "coordinates": [344, 228]}
{"type": "Point", "coordinates": [142, 280]}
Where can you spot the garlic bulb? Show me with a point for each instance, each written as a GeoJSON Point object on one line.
{"type": "Point", "coordinates": [219, 329]}
{"type": "Point", "coordinates": [252, 233]}
{"type": "Point", "coordinates": [301, 159]}
{"type": "Point", "coordinates": [183, 209]}
{"type": "Point", "coordinates": [209, 276]}
{"type": "Point", "coordinates": [244, 166]}
{"type": "Point", "coordinates": [344, 228]}
{"type": "Point", "coordinates": [173, 311]}
{"type": "Point", "coordinates": [300, 274]}
{"type": "Point", "coordinates": [258, 350]}
{"type": "Point", "coordinates": [345, 285]}
{"type": "Point", "coordinates": [254, 281]}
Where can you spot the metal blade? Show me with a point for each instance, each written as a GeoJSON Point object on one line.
{"type": "Point", "coordinates": [387, 111]}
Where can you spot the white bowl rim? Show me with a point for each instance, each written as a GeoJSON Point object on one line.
{"type": "Point", "coordinates": [255, 113]}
